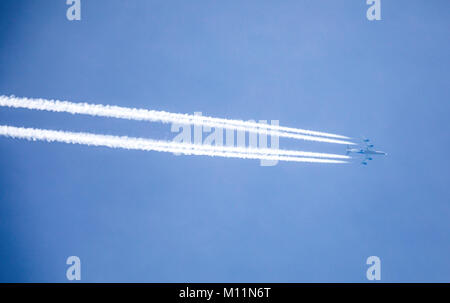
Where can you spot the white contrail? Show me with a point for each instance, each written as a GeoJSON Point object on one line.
{"type": "Point", "coordinates": [142, 144]}
{"type": "Point", "coordinates": [249, 124]}
{"type": "Point", "coordinates": [261, 151]}
{"type": "Point", "coordinates": [166, 117]}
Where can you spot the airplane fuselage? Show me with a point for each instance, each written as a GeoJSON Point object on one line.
{"type": "Point", "coordinates": [366, 151]}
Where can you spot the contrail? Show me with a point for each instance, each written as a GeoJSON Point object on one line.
{"type": "Point", "coordinates": [143, 144]}
{"type": "Point", "coordinates": [261, 151]}
{"type": "Point", "coordinates": [272, 127]}
{"type": "Point", "coordinates": [166, 117]}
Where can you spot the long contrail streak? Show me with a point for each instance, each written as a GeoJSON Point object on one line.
{"type": "Point", "coordinates": [144, 144]}
{"type": "Point", "coordinates": [166, 117]}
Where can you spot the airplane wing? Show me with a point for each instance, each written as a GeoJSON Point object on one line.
{"type": "Point", "coordinates": [368, 144]}
{"type": "Point", "coordinates": [366, 158]}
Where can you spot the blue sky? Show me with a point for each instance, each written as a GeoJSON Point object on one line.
{"type": "Point", "coordinates": [135, 216]}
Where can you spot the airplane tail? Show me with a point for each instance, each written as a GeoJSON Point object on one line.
{"type": "Point", "coordinates": [348, 150]}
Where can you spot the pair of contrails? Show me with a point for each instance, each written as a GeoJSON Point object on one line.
{"type": "Point", "coordinates": [168, 146]}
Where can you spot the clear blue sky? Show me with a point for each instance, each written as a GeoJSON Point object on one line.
{"type": "Point", "coordinates": [136, 216]}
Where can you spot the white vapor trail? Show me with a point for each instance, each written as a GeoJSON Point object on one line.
{"type": "Point", "coordinates": [166, 117]}
{"type": "Point", "coordinates": [149, 145]}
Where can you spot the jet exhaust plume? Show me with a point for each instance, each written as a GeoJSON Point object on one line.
{"type": "Point", "coordinates": [153, 145]}
{"type": "Point", "coordinates": [166, 117]}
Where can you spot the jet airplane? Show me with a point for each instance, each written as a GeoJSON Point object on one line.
{"type": "Point", "coordinates": [368, 151]}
